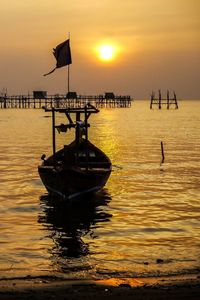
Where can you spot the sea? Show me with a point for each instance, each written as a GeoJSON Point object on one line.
{"type": "Point", "coordinates": [144, 223]}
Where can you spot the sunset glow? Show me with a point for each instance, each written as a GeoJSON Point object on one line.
{"type": "Point", "coordinates": [106, 52]}
{"type": "Point", "coordinates": [154, 44]}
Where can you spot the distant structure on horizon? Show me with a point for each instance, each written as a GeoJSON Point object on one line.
{"type": "Point", "coordinates": [38, 99]}
{"type": "Point", "coordinates": [160, 101]}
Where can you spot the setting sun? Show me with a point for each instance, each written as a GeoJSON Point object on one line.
{"type": "Point", "coordinates": [106, 52]}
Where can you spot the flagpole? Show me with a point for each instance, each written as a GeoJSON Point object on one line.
{"type": "Point", "coordinates": [68, 80]}
{"type": "Point", "coordinates": [68, 70]}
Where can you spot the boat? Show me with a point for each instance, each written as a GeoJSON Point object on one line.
{"type": "Point", "coordinates": [80, 167]}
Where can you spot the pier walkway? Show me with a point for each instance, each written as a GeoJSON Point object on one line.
{"type": "Point", "coordinates": [40, 99]}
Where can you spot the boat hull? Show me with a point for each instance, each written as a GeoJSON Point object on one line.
{"type": "Point", "coordinates": [69, 173]}
{"type": "Point", "coordinates": [72, 182]}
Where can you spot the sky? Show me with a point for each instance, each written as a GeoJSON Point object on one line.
{"type": "Point", "coordinates": [156, 42]}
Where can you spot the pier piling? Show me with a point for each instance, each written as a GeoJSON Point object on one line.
{"type": "Point", "coordinates": [169, 102]}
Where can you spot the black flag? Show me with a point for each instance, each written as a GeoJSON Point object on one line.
{"type": "Point", "coordinates": [62, 54]}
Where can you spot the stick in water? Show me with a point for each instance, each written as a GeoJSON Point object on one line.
{"type": "Point", "coordinates": [163, 154]}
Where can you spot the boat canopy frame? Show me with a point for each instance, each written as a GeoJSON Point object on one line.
{"type": "Point", "coordinates": [78, 124]}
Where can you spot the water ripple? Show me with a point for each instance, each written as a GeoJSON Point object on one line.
{"type": "Point", "coordinates": [146, 221]}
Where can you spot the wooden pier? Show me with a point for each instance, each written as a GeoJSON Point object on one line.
{"type": "Point", "coordinates": [168, 102]}
{"type": "Point", "coordinates": [40, 98]}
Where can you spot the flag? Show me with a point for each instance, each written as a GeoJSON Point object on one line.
{"type": "Point", "coordinates": [62, 55]}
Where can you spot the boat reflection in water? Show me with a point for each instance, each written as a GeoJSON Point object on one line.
{"type": "Point", "coordinates": [69, 223]}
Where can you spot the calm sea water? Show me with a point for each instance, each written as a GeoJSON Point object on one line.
{"type": "Point", "coordinates": [145, 222]}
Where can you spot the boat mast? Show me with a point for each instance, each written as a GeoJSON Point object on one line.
{"type": "Point", "coordinates": [86, 136]}
{"type": "Point", "coordinates": [86, 124]}
{"type": "Point", "coordinates": [53, 131]}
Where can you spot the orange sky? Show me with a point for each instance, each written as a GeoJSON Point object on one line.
{"type": "Point", "coordinates": [158, 44]}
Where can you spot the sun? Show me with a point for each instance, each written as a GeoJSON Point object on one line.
{"type": "Point", "coordinates": [106, 52]}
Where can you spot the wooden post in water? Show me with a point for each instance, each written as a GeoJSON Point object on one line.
{"type": "Point", "coordinates": [159, 99]}
{"type": "Point", "coordinates": [175, 101]}
{"type": "Point", "coordinates": [5, 98]}
{"type": "Point", "coordinates": [152, 99]}
{"type": "Point", "coordinates": [162, 152]}
{"type": "Point", "coordinates": [168, 98]}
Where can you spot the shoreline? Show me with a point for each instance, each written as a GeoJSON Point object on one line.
{"type": "Point", "coordinates": [175, 287]}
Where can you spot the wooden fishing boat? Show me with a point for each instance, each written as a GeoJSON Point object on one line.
{"type": "Point", "coordinates": [79, 167]}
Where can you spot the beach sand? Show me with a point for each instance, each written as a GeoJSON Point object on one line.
{"type": "Point", "coordinates": [184, 287]}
